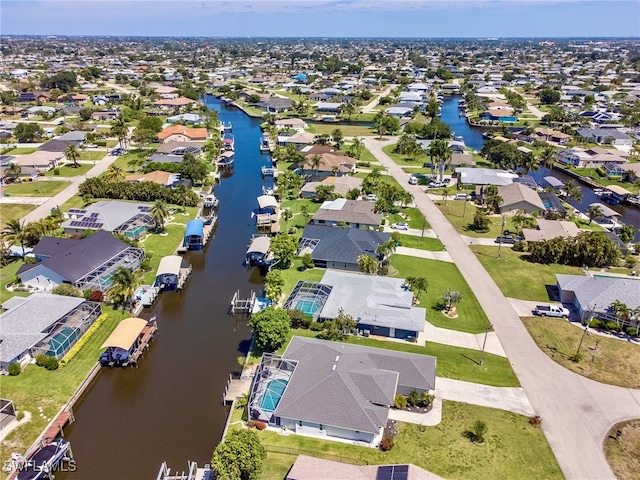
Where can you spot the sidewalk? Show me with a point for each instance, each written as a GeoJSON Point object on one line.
{"type": "Point", "coordinates": [416, 252]}
{"type": "Point", "coordinates": [455, 338]}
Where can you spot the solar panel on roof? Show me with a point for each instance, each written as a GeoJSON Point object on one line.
{"type": "Point", "coordinates": [393, 472]}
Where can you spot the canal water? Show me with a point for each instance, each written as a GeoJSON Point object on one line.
{"type": "Point", "coordinates": [170, 408]}
{"type": "Point", "coordinates": [459, 126]}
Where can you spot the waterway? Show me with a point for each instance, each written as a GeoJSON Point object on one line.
{"type": "Point", "coordinates": [473, 138]}
{"type": "Point", "coordinates": [170, 408]}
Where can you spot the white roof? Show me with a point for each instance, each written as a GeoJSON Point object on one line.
{"type": "Point", "coordinates": [169, 264]}
{"type": "Point", "coordinates": [259, 245]}
{"type": "Point", "coordinates": [265, 201]}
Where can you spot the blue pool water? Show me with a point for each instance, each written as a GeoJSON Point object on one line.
{"type": "Point", "coordinates": [307, 306]}
{"type": "Point", "coordinates": [272, 395]}
{"type": "Point", "coordinates": [547, 204]}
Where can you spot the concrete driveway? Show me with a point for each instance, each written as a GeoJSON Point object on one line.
{"type": "Point", "coordinates": [577, 412]}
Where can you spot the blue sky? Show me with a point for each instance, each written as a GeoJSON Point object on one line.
{"type": "Point", "coordinates": [324, 18]}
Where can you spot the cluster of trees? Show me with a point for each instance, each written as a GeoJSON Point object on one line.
{"type": "Point", "coordinates": [142, 192]}
{"type": "Point", "coordinates": [239, 457]}
{"type": "Point", "coordinates": [502, 154]}
{"type": "Point", "coordinates": [191, 168]}
{"type": "Point", "coordinates": [436, 128]}
{"type": "Point", "coordinates": [549, 96]}
{"type": "Point", "coordinates": [593, 249]}
{"type": "Point", "coordinates": [64, 81]}
{"type": "Point", "coordinates": [270, 328]}
{"type": "Point", "coordinates": [514, 99]}
{"type": "Point", "coordinates": [385, 123]}
{"type": "Point", "coordinates": [28, 132]}
{"type": "Point", "coordinates": [388, 195]}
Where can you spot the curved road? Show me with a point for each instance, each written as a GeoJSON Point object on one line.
{"type": "Point", "coordinates": [577, 412]}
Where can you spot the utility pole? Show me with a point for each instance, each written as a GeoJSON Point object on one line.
{"type": "Point", "coordinates": [484, 343]}
{"type": "Point", "coordinates": [586, 327]}
{"type": "Point", "coordinates": [504, 221]}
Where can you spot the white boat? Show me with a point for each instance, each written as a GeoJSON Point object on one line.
{"type": "Point", "coordinates": [226, 159]}
{"type": "Point", "coordinates": [210, 201]}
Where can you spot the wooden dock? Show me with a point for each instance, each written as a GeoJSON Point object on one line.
{"type": "Point", "coordinates": [183, 276]}
{"type": "Point", "coordinates": [55, 428]}
{"type": "Point", "coordinates": [148, 333]}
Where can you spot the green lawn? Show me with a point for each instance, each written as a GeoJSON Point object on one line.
{"type": "Point", "coordinates": [385, 178]}
{"type": "Point", "coordinates": [92, 155]}
{"type": "Point", "coordinates": [441, 276]}
{"type": "Point", "coordinates": [454, 210]}
{"type": "Point", "coordinates": [10, 211]}
{"type": "Point", "coordinates": [36, 387]}
{"type": "Point", "coordinates": [616, 361]}
{"type": "Point", "coordinates": [513, 448]}
{"type": "Point", "coordinates": [35, 189]}
{"type": "Point", "coordinates": [21, 151]}
{"type": "Point", "coordinates": [7, 275]}
{"type": "Point", "coordinates": [518, 278]}
{"type": "Point", "coordinates": [293, 274]}
{"type": "Point", "coordinates": [70, 171]}
{"type": "Point", "coordinates": [412, 216]}
{"type": "Point", "coordinates": [404, 160]}
{"type": "Point", "coordinates": [74, 202]}
{"type": "Point", "coordinates": [430, 244]}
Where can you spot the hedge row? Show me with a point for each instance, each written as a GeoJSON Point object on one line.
{"type": "Point", "coordinates": [85, 338]}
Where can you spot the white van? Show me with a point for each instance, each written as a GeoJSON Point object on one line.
{"type": "Point", "coordinates": [462, 196]}
{"type": "Point", "coordinates": [413, 180]}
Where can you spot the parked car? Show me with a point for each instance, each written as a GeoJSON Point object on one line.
{"type": "Point", "coordinates": [371, 197]}
{"type": "Point", "coordinates": [508, 239]}
{"type": "Point", "coordinates": [90, 145]}
{"type": "Point", "coordinates": [462, 196]}
{"type": "Point", "coordinates": [437, 185]}
{"type": "Point", "coordinates": [551, 311]}
{"type": "Point", "coordinates": [400, 226]}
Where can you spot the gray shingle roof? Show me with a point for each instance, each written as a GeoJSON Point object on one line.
{"type": "Point", "coordinates": [601, 291]}
{"type": "Point", "coordinates": [350, 395]}
{"type": "Point", "coordinates": [25, 324]}
{"type": "Point", "coordinates": [343, 244]}
{"type": "Point", "coordinates": [83, 257]}
{"type": "Point", "coordinates": [349, 211]}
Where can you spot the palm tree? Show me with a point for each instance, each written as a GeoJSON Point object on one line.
{"type": "Point", "coordinates": [439, 149]}
{"type": "Point", "coordinates": [445, 194]}
{"type": "Point", "coordinates": [357, 147]}
{"type": "Point", "coordinates": [16, 232]}
{"type": "Point", "coordinates": [114, 173]}
{"type": "Point", "coordinates": [367, 264]}
{"type": "Point", "coordinates": [124, 283]}
{"type": "Point", "coordinates": [548, 157]}
{"type": "Point", "coordinates": [119, 130]}
{"type": "Point", "coordinates": [160, 212]}
{"type": "Point", "coordinates": [304, 211]}
{"type": "Point", "coordinates": [287, 215]}
{"type": "Point", "coordinates": [594, 212]}
{"type": "Point", "coordinates": [182, 192]}
{"type": "Point", "coordinates": [530, 162]}
{"type": "Point", "coordinates": [417, 285]}
{"type": "Point", "coordinates": [573, 191]}
{"type": "Point", "coordinates": [13, 170]}
{"type": "Point", "coordinates": [316, 161]}
{"type": "Point", "coordinates": [71, 153]}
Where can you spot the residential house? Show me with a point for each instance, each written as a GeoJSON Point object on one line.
{"type": "Point", "coordinates": [594, 295]}
{"type": "Point", "coordinates": [484, 176]}
{"type": "Point", "coordinates": [334, 247]}
{"type": "Point", "coordinates": [179, 103]}
{"type": "Point", "coordinates": [276, 105]}
{"type": "Point", "coordinates": [328, 107]}
{"type": "Point", "coordinates": [105, 115]}
{"type": "Point", "coordinates": [550, 229]}
{"type": "Point", "coordinates": [300, 139]}
{"type": "Point", "coordinates": [330, 164]}
{"type": "Point", "coordinates": [86, 263]}
{"type": "Point", "coordinates": [518, 197]}
{"type": "Point", "coordinates": [166, 179]}
{"type": "Point", "coordinates": [506, 116]}
{"type": "Point", "coordinates": [180, 133]}
{"type": "Point", "coordinates": [296, 124]}
{"type": "Point", "coordinates": [43, 323]}
{"type": "Point", "coordinates": [41, 160]}
{"type": "Point", "coordinates": [592, 158]}
{"type": "Point", "coordinates": [180, 148]}
{"type": "Point", "coordinates": [188, 118]}
{"type": "Point", "coordinates": [353, 213]}
{"type": "Point", "coordinates": [341, 186]}
{"type": "Point", "coordinates": [126, 218]}
{"type": "Point", "coordinates": [605, 135]}
{"type": "Point", "coordinates": [330, 390]}
{"type": "Point", "coordinates": [313, 468]}
{"type": "Point", "coordinates": [550, 135]}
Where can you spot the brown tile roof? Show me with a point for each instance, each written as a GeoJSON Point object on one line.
{"type": "Point", "coordinates": [192, 133]}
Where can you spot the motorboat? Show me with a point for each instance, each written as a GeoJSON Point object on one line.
{"type": "Point", "coordinates": [45, 461]}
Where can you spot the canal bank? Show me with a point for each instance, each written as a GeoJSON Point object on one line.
{"type": "Point", "coordinates": [131, 420]}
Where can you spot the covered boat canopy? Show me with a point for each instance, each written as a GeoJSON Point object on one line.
{"type": "Point", "coordinates": [266, 201]}
{"type": "Point", "coordinates": [125, 333]}
{"type": "Point", "coordinates": [259, 245]}
{"type": "Point", "coordinates": [618, 190]}
{"type": "Point", "coordinates": [169, 265]}
{"type": "Point", "coordinates": [194, 228]}
{"type": "Point", "coordinates": [606, 211]}
{"type": "Point", "coordinates": [554, 182]}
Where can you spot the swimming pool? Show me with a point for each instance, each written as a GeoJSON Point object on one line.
{"type": "Point", "coordinates": [309, 307]}
{"type": "Point", "coordinates": [272, 395]}
{"type": "Point", "coordinates": [547, 204]}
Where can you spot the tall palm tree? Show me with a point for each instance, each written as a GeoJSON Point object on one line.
{"type": "Point", "coordinates": [573, 191]}
{"type": "Point", "coordinates": [316, 161]}
{"type": "Point", "coordinates": [114, 173]}
{"type": "Point", "coordinates": [357, 147]}
{"type": "Point", "coordinates": [548, 157]}
{"type": "Point", "coordinates": [73, 154]}
{"type": "Point", "coordinates": [160, 212]}
{"type": "Point", "coordinates": [124, 283]}
{"type": "Point", "coordinates": [13, 170]}
{"type": "Point", "coordinates": [593, 212]}
{"type": "Point", "coordinates": [119, 130]}
{"type": "Point", "coordinates": [440, 151]}
{"type": "Point", "coordinates": [16, 232]}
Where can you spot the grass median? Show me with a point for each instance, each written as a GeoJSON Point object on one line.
{"type": "Point", "coordinates": [37, 188]}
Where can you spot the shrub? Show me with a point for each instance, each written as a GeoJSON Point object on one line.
{"type": "Point", "coordinates": [601, 172]}
{"type": "Point", "coordinates": [400, 401]}
{"type": "Point", "coordinates": [612, 326]}
{"type": "Point", "coordinates": [96, 296]}
{"type": "Point", "coordinates": [298, 319]}
{"type": "Point", "coordinates": [41, 359]}
{"type": "Point", "coordinates": [595, 323]}
{"type": "Point", "coordinates": [101, 143]}
{"type": "Point", "coordinates": [19, 415]}
{"type": "Point", "coordinates": [256, 425]}
{"type": "Point", "coordinates": [84, 339]}
{"type": "Point", "coordinates": [56, 171]}
{"type": "Point", "coordinates": [14, 369]}
{"type": "Point", "coordinates": [535, 421]}
{"type": "Point", "coordinates": [307, 261]}
{"type": "Point", "coordinates": [316, 326]}
{"type": "Point", "coordinates": [426, 399]}
{"type": "Point", "coordinates": [631, 331]}
{"type": "Point", "coordinates": [479, 430]}
{"type": "Point", "coordinates": [386, 443]}
{"type": "Point", "coordinates": [67, 290]}
{"type": "Point", "coordinates": [576, 358]}
{"type": "Point", "coordinates": [414, 398]}
{"type": "Point", "coordinates": [51, 363]}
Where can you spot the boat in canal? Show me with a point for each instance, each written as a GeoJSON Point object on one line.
{"type": "Point", "coordinates": [45, 461]}
{"type": "Point", "coordinates": [128, 340]}
{"type": "Point", "coordinates": [226, 159]}
{"type": "Point", "coordinates": [259, 252]}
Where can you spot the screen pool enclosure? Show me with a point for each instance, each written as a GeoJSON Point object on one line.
{"type": "Point", "coordinates": [308, 297]}
{"type": "Point", "coordinates": [269, 384]}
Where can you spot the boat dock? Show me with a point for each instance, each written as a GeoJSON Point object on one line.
{"type": "Point", "coordinates": [148, 333]}
{"type": "Point", "coordinates": [242, 305]}
{"type": "Point", "coordinates": [55, 428]}
{"type": "Point", "coordinates": [268, 171]}
{"type": "Point", "coordinates": [236, 388]}
{"type": "Point", "coordinates": [183, 276]}
{"type": "Point", "coordinates": [193, 473]}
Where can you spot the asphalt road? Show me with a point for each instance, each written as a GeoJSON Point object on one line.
{"type": "Point", "coordinates": [576, 412]}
